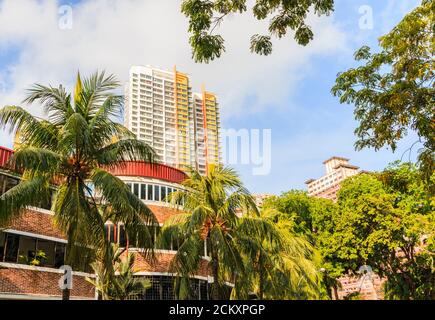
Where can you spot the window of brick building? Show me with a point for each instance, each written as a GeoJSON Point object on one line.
{"type": "Point", "coordinates": [48, 247]}
{"type": "Point", "coordinates": [156, 193]}
{"type": "Point", "coordinates": [2, 245]}
{"type": "Point", "coordinates": [11, 248]}
{"type": "Point", "coordinates": [59, 255]}
{"type": "Point", "coordinates": [7, 182]}
{"type": "Point", "coordinates": [27, 250]}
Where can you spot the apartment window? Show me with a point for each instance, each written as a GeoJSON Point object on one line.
{"type": "Point", "coordinates": [156, 193]}
{"type": "Point", "coordinates": [150, 192]}
{"type": "Point", "coordinates": [7, 183]}
{"type": "Point", "coordinates": [23, 250]}
{"type": "Point", "coordinates": [163, 194]}
{"type": "Point", "coordinates": [143, 191]}
{"type": "Point", "coordinates": [27, 250]}
{"type": "Point", "coordinates": [128, 186]}
{"type": "Point", "coordinates": [122, 238]}
{"type": "Point", "coordinates": [109, 230]}
{"type": "Point", "coordinates": [11, 248]}
{"type": "Point", "coordinates": [2, 245]}
{"type": "Point", "coordinates": [48, 247]}
{"type": "Point", "coordinates": [59, 255]}
{"type": "Point", "coordinates": [136, 189]}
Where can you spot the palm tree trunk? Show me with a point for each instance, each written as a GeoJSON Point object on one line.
{"type": "Point", "coordinates": [335, 290]}
{"type": "Point", "coordinates": [261, 280]}
{"type": "Point", "coordinates": [261, 287]}
{"type": "Point", "coordinates": [215, 292]}
{"type": "Point", "coordinates": [66, 294]}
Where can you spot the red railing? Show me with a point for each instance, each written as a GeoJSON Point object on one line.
{"type": "Point", "coordinates": [129, 169]}
{"type": "Point", "coordinates": [147, 170]}
{"type": "Point", "coordinates": [5, 155]}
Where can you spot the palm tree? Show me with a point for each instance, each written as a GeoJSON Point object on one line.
{"type": "Point", "coordinates": [73, 149]}
{"type": "Point", "coordinates": [282, 267]}
{"type": "Point", "coordinates": [213, 204]}
{"type": "Point", "coordinates": [116, 281]}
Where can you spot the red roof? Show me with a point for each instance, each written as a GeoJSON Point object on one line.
{"type": "Point", "coordinates": [148, 170]}
{"type": "Point", "coordinates": [163, 213]}
{"type": "Point", "coordinates": [129, 168]}
{"type": "Point", "coordinates": [5, 155]}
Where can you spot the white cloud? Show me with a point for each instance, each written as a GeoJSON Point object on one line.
{"type": "Point", "coordinates": [115, 34]}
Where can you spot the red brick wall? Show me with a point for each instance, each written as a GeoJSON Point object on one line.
{"type": "Point", "coordinates": [36, 222]}
{"type": "Point", "coordinates": [42, 223]}
{"type": "Point", "coordinates": [41, 283]}
{"type": "Point", "coordinates": [163, 213]}
{"type": "Point", "coordinates": [162, 264]}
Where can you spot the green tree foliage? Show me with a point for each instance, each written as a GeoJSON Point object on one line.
{"type": "Point", "coordinates": [310, 215]}
{"type": "Point", "coordinates": [116, 280]}
{"type": "Point", "coordinates": [387, 221]}
{"type": "Point", "coordinates": [255, 252]}
{"type": "Point", "coordinates": [393, 90]}
{"type": "Point", "coordinates": [207, 15]}
{"type": "Point", "coordinates": [211, 203]}
{"type": "Point", "coordinates": [285, 268]}
{"type": "Point", "coordinates": [312, 218]}
{"type": "Point", "coordinates": [72, 150]}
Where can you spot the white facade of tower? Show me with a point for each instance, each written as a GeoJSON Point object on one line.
{"type": "Point", "coordinates": [161, 110]}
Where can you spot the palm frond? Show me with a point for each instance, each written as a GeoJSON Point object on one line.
{"type": "Point", "coordinates": [139, 221]}
{"type": "Point", "coordinates": [26, 193]}
{"type": "Point", "coordinates": [56, 102]}
{"type": "Point", "coordinates": [125, 150]}
{"type": "Point", "coordinates": [35, 159]}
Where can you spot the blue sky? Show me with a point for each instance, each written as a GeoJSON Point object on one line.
{"type": "Point", "coordinates": [287, 92]}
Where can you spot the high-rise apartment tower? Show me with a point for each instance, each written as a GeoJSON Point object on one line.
{"type": "Point", "coordinates": [181, 126]}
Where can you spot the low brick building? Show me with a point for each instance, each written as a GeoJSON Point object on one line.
{"type": "Point", "coordinates": [35, 231]}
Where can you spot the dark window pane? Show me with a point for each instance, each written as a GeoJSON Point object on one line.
{"type": "Point", "coordinates": [156, 193]}
{"type": "Point", "coordinates": [175, 244]}
{"type": "Point", "coordinates": [194, 289]}
{"type": "Point", "coordinates": [143, 191]}
{"type": "Point", "coordinates": [59, 256]}
{"type": "Point", "coordinates": [12, 242]}
{"type": "Point", "coordinates": [150, 192]}
{"type": "Point", "coordinates": [2, 245]}
{"type": "Point", "coordinates": [203, 291]}
{"type": "Point", "coordinates": [136, 189]}
{"type": "Point", "coordinates": [129, 186]}
{"type": "Point", "coordinates": [154, 292]}
{"type": "Point", "coordinates": [122, 238]}
{"type": "Point", "coordinates": [167, 288]}
{"type": "Point", "coordinates": [163, 194]}
{"type": "Point", "coordinates": [47, 247]}
{"type": "Point", "coordinates": [109, 230]}
{"type": "Point", "coordinates": [7, 183]}
{"type": "Point", "coordinates": [27, 251]}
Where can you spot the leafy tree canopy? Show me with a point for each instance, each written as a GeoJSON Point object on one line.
{"type": "Point", "coordinates": [386, 220]}
{"type": "Point", "coordinates": [393, 90]}
{"type": "Point", "coordinates": [206, 15]}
